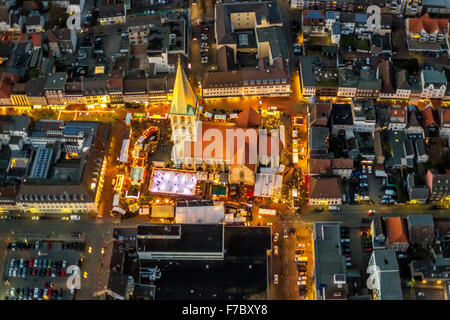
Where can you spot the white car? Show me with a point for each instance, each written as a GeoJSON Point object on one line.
{"type": "Point", "coordinates": [12, 293]}
{"type": "Point", "coordinates": [356, 197]}
{"type": "Point", "coordinates": [12, 263]}
{"type": "Point", "coordinates": [36, 263]}
{"type": "Point", "coordinates": [275, 279]}
{"type": "Point", "coordinates": [21, 263]}
{"type": "Point", "coordinates": [15, 272]}
{"type": "Point", "coordinates": [301, 245]}
{"type": "Point", "coordinates": [275, 238]}
{"type": "Point", "coordinates": [10, 271]}
{"type": "Point", "coordinates": [64, 263]}
{"type": "Point", "coordinates": [36, 293]}
{"type": "Point", "coordinates": [275, 250]}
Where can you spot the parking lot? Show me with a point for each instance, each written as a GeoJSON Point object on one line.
{"type": "Point", "coordinates": [369, 189]}
{"type": "Point", "coordinates": [35, 269]}
{"type": "Point", "coordinates": [356, 248]}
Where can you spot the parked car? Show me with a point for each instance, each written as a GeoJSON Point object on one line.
{"type": "Point", "coordinates": [275, 279]}
{"type": "Point", "coordinates": [275, 250]}
{"type": "Point", "coordinates": [275, 238]}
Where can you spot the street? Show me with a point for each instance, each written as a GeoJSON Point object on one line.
{"type": "Point", "coordinates": [350, 216]}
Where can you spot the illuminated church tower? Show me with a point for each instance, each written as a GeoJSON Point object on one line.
{"type": "Point", "coordinates": [184, 109]}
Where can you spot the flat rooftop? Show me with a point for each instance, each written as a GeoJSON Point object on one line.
{"type": "Point", "coordinates": [181, 238]}
{"type": "Point", "coordinates": [241, 274]}
{"type": "Point", "coordinates": [329, 262]}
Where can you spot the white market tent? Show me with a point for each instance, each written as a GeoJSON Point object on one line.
{"type": "Point", "coordinates": [200, 214]}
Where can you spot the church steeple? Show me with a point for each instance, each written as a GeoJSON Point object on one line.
{"type": "Point", "coordinates": [184, 101]}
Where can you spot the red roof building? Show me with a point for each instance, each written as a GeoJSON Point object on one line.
{"type": "Point", "coordinates": [397, 234]}
{"type": "Point", "coordinates": [426, 29]}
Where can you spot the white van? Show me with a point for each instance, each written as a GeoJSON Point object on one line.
{"type": "Point", "coordinates": [74, 217]}
{"type": "Point", "coordinates": [334, 208]}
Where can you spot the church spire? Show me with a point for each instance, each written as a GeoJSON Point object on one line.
{"type": "Point", "coordinates": [184, 101]}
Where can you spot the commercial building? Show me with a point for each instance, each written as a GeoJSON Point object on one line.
{"type": "Point", "coordinates": [318, 76]}
{"type": "Point", "coordinates": [324, 190]}
{"type": "Point", "coordinates": [397, 235]}
{"type": "Point", "coordinates": [384, 275]}
{"type": "Point", "coordinates": [330, 279]}
{"type": "Point", "coordinates": [112, 14]}
{"type": "Point", "coordinates": [420, 228]}
{"type": "Point", "coordinates": [251, 28]}
{"type": "Point", "coordinates": [198, 261]}
{"type": "Point", "coordinates": [57, 167]}
{"type": "Point", "coordinates": [434, 84]}
{"type": "Point", "coordinates": [264, 81]}
{"type": "Point", "coordinates": [439, 185]}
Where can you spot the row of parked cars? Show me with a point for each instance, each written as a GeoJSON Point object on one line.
{"type": "Point", "coordinates": [37, 267]}
{"type": "Point", "coordinates": [204, 44]}
{"type": "Point", "coordinates": [390, 193]}
{"type": "Point", "coordinates": [73, 246]}
{"type": "Point", "coordinates": [301, 263]}
{"type": "Point", "coordinates": [23, 245]}
{"type": "Point", "coordinates": [366, 241]}
{"type": "Point", "coordinates": [47, 293]}
{"type": "Point", "coordinates": [345, 245]}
